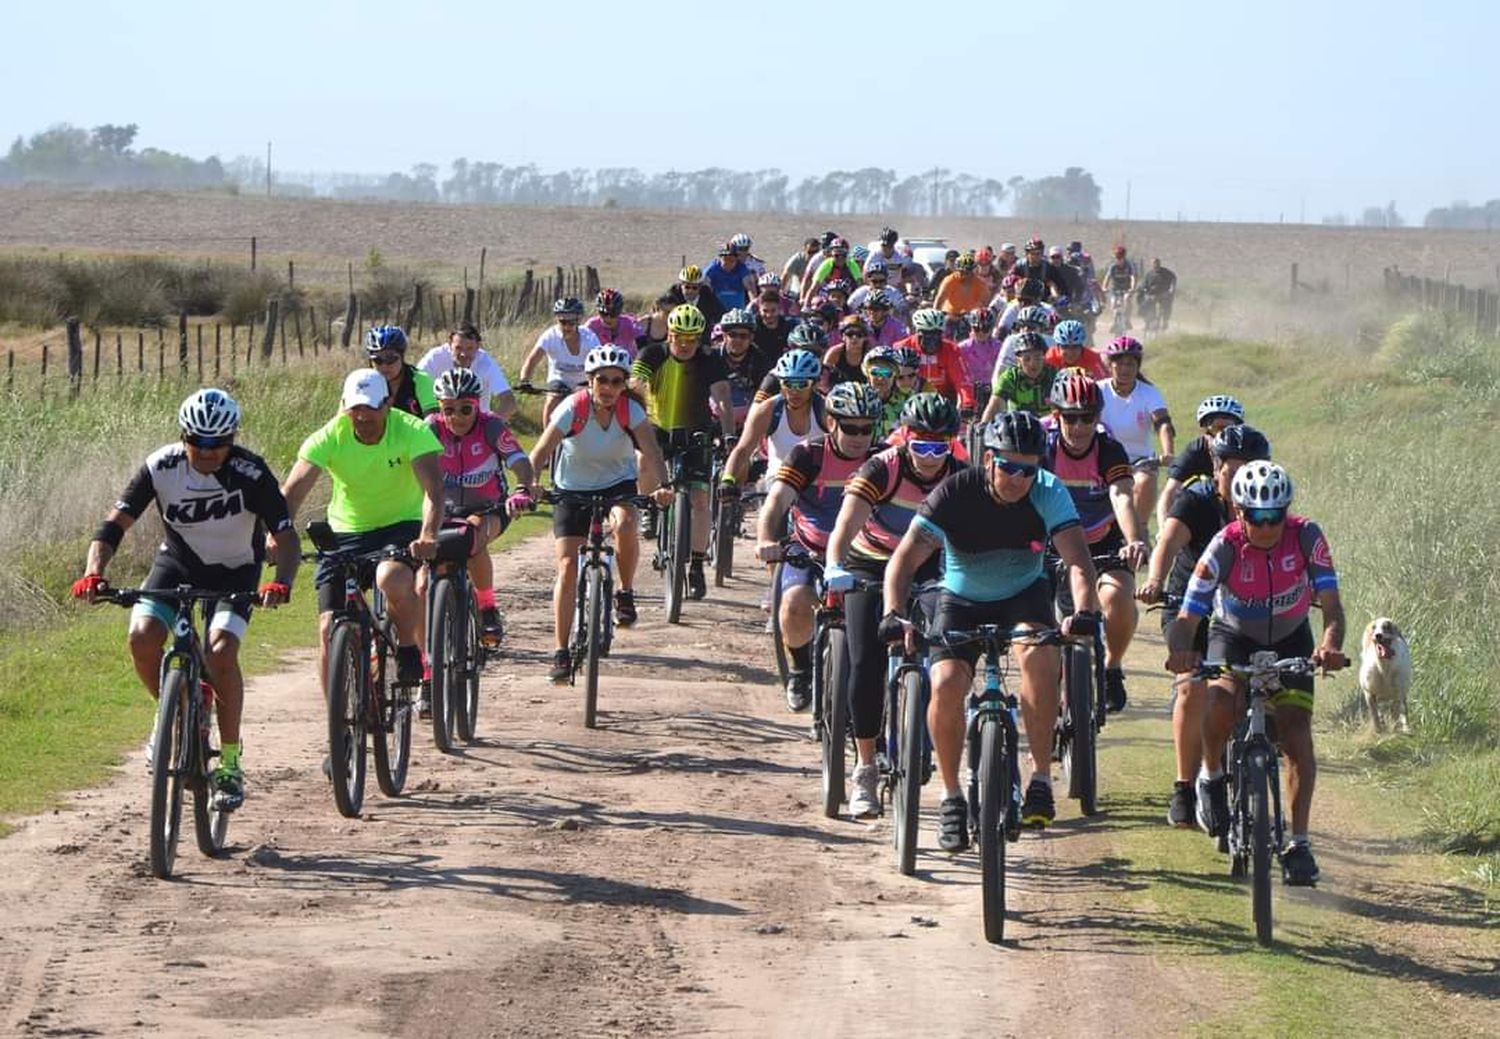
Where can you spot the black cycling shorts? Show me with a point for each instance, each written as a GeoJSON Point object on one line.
{"type": "Point", "coordinates": [571, 519]}
{"type": "Point", "coordinates": [1031, 605]}
{"type": "Point", "coordinates": [331, 590]}
{"type": "Point", "coordinates": [168, 571]}
{"type": "Point", "coordinates": [1234, 648]}
{"type": "Point", "coordinates": [1200, 637]}
{"type": "Point", "coordinates": [698, 462]}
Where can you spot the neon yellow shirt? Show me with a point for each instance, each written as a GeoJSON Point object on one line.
{"type": "Point", "coordinates": [374, 485]}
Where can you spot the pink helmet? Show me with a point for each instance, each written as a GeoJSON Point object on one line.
{"type": "Point", "coordinates": [1125, 346]}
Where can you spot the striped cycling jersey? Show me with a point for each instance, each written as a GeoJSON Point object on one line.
{"type": "Point", "coordinates": [894, 491]}
{"type": "Point", "coordinates": [819, 474]}
{"type": "Point", "coordinates": [1088, 477]}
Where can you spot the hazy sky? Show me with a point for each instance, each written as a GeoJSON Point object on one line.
{"type": "Point", "coordinates": [1213, 110]}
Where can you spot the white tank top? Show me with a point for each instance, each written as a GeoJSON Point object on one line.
{"type": "Point", "coordinates": [781, 438]}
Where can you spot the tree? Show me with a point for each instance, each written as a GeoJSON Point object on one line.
{"type": "Point", "coordinates": [114, 140]}
{"type": "Point", "coordinates": [1072, 195]}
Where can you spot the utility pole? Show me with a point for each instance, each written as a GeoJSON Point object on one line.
{"type": "Point", "coordinates": [268, 169]}
{"type": "Point", "coordinates": [1127, 200]}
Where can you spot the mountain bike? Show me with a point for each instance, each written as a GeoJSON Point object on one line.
{"type": "Point", "coordinates": [1256, 828]}
{"type": "Point", "coordinates": [674, 526]}
{"type": "Point", "coordinates": [993, 756]}
{"type": "Point", "coordinates": [455, 650]}
{"type": "Point", "coordinates": [1119, 311]}
{"type": "Point", "coordinates": [183, 751]}
{"type": "Point", "coordinates": [1082, 707]}
{"type": "Point", "coordinates": [594, 618]}
{"type": "Point", "coordinates": [906, 748]}
{"type": "Point", "coordinates": [364, 699]}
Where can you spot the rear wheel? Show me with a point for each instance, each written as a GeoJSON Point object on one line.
{"type": "Point", "coordinates": [593, 636]}
{"type": "Point", "coordinates": [347, 687]}
{"type": "Point", "coordinates": [210, 825]}
{"type": "Point", "coordinates": [908, 795]}
{"type": "Point", "coordinates": [393, 737]}
{"type": "Point", "coordinates": [992, 811]}
{"type": "Point", "coordinates": [833, 719]}
{"type": "Point", "coordinates": [1080, 761]}
{"type": "Point", "coordinates": [169, 758]}
{"type": "Point", "coordinates": [447, 670]}
{"type": "Point", "coordinates": [1259, 805]}
{"type": "Point", "coordinates": [680, 528]}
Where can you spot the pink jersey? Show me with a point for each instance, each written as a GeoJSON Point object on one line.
{"type": "Point", "coordinates": [1262, 594]}
{"type": "Point", "coordinates": [474, 464]}
{"type": "Point", "coordinates": [624, 336]}
{"type": "Point", "coordinates": [979, 357]}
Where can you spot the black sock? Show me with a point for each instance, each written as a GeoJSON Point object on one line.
{"type": "Point", "coordinates": [801, 657]}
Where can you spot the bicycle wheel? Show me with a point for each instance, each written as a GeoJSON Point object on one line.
{"type": "Point", "coordinates": [834, 719]}
{"type": "Point", "coordinates": [169, 758]}
{"type": "Point", "coordinates": [210, 825]}
{"type": "Point", "coordinates": [992, 809]}
{"type": "Point", "coordinates": [348, 686]}
{"type": "Point", "coordinates": [447, 669]}
{"type": "Point", "coordinates": [1080, 761]}
{"type": "Point", "coordinates": [783, 666]}
{"type": "Point", "coordinates": [908, 794]}
{"type": "Point", "coordinates": [681, 551]}
{"type": "Point", "coordinates": [393, 733]}
{"type": "Point", "coordinates": [466, 716]}
{"type": "Point", "coordinates": [726, 525]}
{"type": "Point", "coordinates": [593, 642]}
{"type": "Point", "coordinates": [1259, 805]}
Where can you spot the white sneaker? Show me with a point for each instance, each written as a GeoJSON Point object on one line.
{"type": "Point", "coordinates": [149, 749]}
{"type": "Point", "coordinates": [865, 801]}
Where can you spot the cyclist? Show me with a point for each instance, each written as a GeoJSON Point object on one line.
{"type": "Point", "coordinates": [1035, 266]}
{"type": "Point", "coordinates": [1026, 385]}
{"type": "Point", "coordinates": [1119, 282]}
{"type": "Point", "coordinates": [780, 420]}
{"type": "Point", "coordinates": [885, 328]}
{"type": "Point", "coordinates": [877, 276]}
{"type": "Point", "coordinates": [689, 288]}
{"type": "Point", "coordinates": [824, 315]}
{"type": "Point", "coordinates": [565, 345]}
{"type": "Point", "coordinates": [1067, 350]}
{"type": "Point", "coordinates": [463, 351]}
{"type": "Point", "coordinates": [942, 370]}
{"type": "Point", "coordinates": [808, 336]}
{"type": "Point", "coordinates": [477, 449]}
{"type": "Point", "coordinates": [810, 483]}
{"type": "Point", "coordinates": [884, 247]}
{"type": "Point", "coordinates": [1027, 311]}
{"type": "Point", "coordinates": [844, 360]}
{"type": "Point", "coordinates": [879, 503]}
{"type": "Point", "coordinates": [881, 367]}
{"type": "Point", "coordinates": [980, 353]}
{"type": "Point", "coordinates": [1195, 462]}
{"type": "Point", "coordinates": [688, 386]}
{"type": "Point", "coordinates": [1159, 286]}
{"type": "Point", "coordinates": [746, 363]}
{"type": "Point", "coordinates": [597, 435]}
{"type": "Point", "coordinates": [837, 291]}
{"type": "Point", "coordinates": [991, 523]}
{"type": "Point", "coordinates": [1093, 466]}
{"type": "Point", "coordinates": [1195, 517]}
{"type": "Point", "coordinates": [962, 291]}
{"type": "Point", "coordinates": [387, 490]}
{"type": "Point", "coordinates": [772, 323]}
{"type": "Point", "coordinates": [752, 263]}
{"type": "Point", "coordinates": [728, 279]}
{"type": "Point", "coordinates": [610, 324]}
{"type": "Point", "coordinates": [1256, 582]}
{"type": "Point", "coordinates": [220, 509]}
{"type": "Point", "coordinates": [1075, 287]}
{"type": "Point", "coordinates": [409, 387]}
{"type": "Point", "coordinates": [836, 264]}
{"type": "Point", "coordinates": [1133, 411]}
{"type": "Point", "coordinates": [795, 269]}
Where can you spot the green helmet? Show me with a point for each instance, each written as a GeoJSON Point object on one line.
{"type": "Point", "coordinates": [930, 413]}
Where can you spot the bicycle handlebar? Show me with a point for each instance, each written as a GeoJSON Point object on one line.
{"type": "Point", "coordinates": [181, 595]}
{"type": "Point", "coordinates": [604, 501]}
{"type": "Point", "coordinates": [998, 635]}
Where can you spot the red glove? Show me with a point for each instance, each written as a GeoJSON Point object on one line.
{"type": "Point", "coordinates": [88, 586]}
{"type": "Point", "coordinates": [281, 592]}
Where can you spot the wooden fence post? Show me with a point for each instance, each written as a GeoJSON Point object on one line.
{"type": "Point", "coordinates": [75, 356]}
{"type": "Point", "coordinates": [252, 254]}
{"type": "Point", "coordinates": [98, 340]}
{"type": "Point", "coordinates": [283, 338]}
{"type": "Point", "coordinates": [351, 317]}
{"type": "Point", "coordinates": [140, 353]}
{"type": "Point", "coordinates": [218, 345]}
{"type": "Point", "coordinates": [200, 353]}
{"type": "Point", "coordinates": [233, 341]}
{"type": "Point", "coordinates": [161, 357]}
{"type": "Point", "coordinates": [414, 312]}
{"type": "Point", "coordinates": [297, 329]}
{"type": "Point", "coordinates": [469, 297]}
{"type": "Point", "coordinates": [119, 355]}
{"type": "Point", "coordinates": [1294, 281]}
{"type": "Point", "coordinates": [291, 275]}
{"type": "Point", "coordinates": [268, 344]}
{"type": "Point", "coordinates": [45, 349]}
{"type": "Point", "coordinates": [182, 342]}
{"type": "Point", "coordinates": [10, 371]}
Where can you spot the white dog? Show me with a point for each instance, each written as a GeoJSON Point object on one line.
{"type": "Point", "coordinates": [1385, 672]}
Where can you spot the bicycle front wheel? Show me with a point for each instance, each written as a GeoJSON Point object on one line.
{"type": "Point", "coordinates": [993, 798]}
{"type": "Point", "coordinates": [467, 715]}
{"type": "Point", "coordinates": [681, 530]}
{"type": "Point", "coordinates": [442, 653]}
{"type": "Point", "coordinates": [833, 720]}
{"type": "Point", "coordinates": [348, 685]}
{"type": "Point", "coordinates": [908, 792]}
{"type": "Point", "coordinates": [1258, 802]}
{"type": "Point", "coordinates": [726, 525]}
{"type": "Point", "coordinates": [783, 666]}
{"type": "Point", "coordinates": [594, 606]}
{"type": "Point", "coordinates": [1080, 761]}
{"type": "Point", "coordinates": [210, 825]}
{"type": "Point", "coordinates": [169, 758]}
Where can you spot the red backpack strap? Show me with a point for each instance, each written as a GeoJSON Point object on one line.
{"type": "Point", "coordinates": [579, 402]}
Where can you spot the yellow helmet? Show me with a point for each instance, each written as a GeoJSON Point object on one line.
{"type": "Point", "coordinates": [686, 319]}
{"type": "Point", "coordinates": [690, 274]}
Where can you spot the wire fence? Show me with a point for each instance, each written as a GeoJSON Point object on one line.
{"type": "Point", "coordinates": [1482, 306]}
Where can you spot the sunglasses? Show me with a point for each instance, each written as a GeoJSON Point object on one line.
{"type": "Point", "coordinates": [459, 409]}
{"type": "Point", "coordinates": [1009, 468]}
{"type": "Point", "coordinates": [207, 443]}
{"type": "Point", "coordinates": [1079, 420]}
{"type": "Point", "coordinates": [381, 360]}
{"type": "Point", "coordinates": [615, 381]}
{"type": "Point", "coordinates": [856, 429]}
{"type": "Point", "coordinates": [1264, 517]}
{"type": "Point", "coordinates": [855, 333]}
{"type": "Point", "coordinates": [737, 333]}
{"type": "Point", "coordinates": [796, 384]}
{"type": "Point", "coordinates": [930, 448]}
{"type": "Point", "coordinates": [906, 375]}
{"type": "Point", "coordinates": [882, 373]}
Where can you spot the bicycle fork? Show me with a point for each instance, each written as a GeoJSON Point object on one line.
{"type": "Point", "coordinates": [994, 706]}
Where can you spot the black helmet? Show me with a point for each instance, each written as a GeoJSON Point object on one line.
{"type": "Point", "coordinates": [930, 413]}
{"type": "Point", "coordinates": [1019, 432]}
{"type": "Point", "coordinates": [888, 236]}
{"type": "Point", "coordinates": [1243, 443]}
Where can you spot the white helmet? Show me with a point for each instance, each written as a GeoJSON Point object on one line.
{"type": "Point", "coordinates": [1221, 404]}
{"type": "Point", "coordinates": [209, 413]}
{"type": "Point", "coordinates": [607, 356]}
{"type": "Point", "coordinates": [741, 242]}
{"type": "Point", "coordinates": [929, 319]}
{"type": "Point", "coordinates": [1261, 485]}
{"type": "Point", "coordinates": [853, 400]}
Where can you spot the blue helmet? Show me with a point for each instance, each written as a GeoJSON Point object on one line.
{"type": "Point", "coordinates": [1070, 333]}
{"type": "Point", "coordinates": [385, 337]}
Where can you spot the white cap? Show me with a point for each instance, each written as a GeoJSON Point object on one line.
{"type": "Point", "coordinates": [1007, 247]}
{"type": "Point", "coordinates": [364, 386]}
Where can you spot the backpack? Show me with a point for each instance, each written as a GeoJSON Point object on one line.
{"type": "Point", "coordinates": [582, 408]}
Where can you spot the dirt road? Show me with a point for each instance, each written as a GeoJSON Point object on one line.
{"type": "Point", "coordinates": [666, 873]}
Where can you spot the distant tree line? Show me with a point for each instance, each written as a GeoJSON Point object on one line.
{"type": "Point", "coordinates": [1462, 216]}
{"type": "Point", "coordinates": [1371, 216]}
{"type": "Point", "coordinates": [103, 157]}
